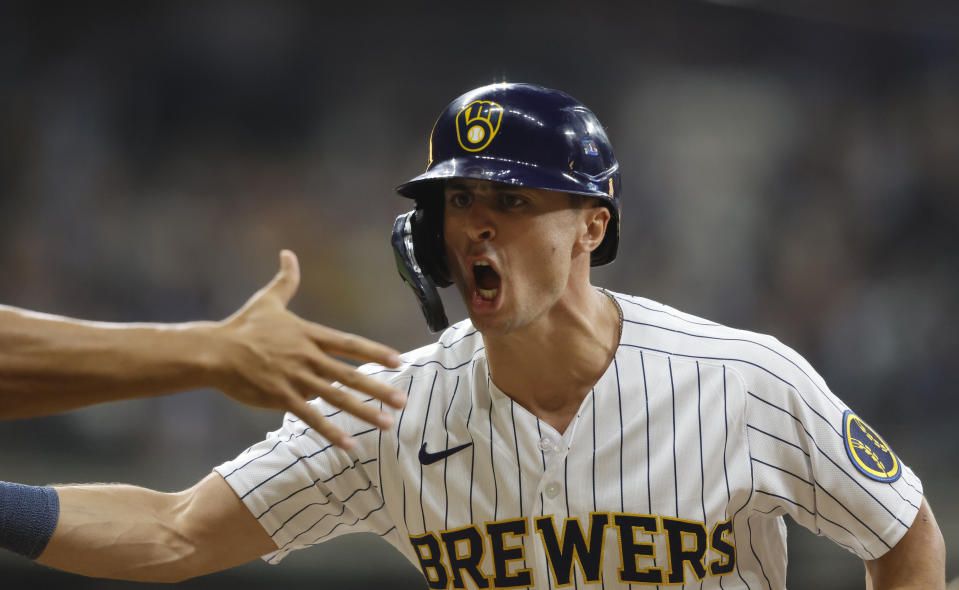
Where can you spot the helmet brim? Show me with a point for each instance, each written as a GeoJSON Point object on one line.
{"type": "Point", "coordinates": [430, 183]}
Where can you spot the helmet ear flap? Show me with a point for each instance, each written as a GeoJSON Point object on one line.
{"type": "Point", "coordinates": [411, 237]}
{"type": "Point", "coordinates": [428, 243]}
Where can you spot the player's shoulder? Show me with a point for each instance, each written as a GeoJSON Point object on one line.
{"type": "Point", "coordinates": [654, 326]}
{"type": "Point", "coordinates": [650, 313]}
{"type": "Point", "coordinates": [457, 347]}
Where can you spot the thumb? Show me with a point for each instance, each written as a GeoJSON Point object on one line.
{"type": "Point", "coordinates": [287, 280]}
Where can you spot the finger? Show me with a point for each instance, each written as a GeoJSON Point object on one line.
{"type": "Point", "coordinates": [356, 347]}
{"type": "Point", "coordinates": [366, 410]}
{"type": "Point", "coordinates": [315, 420]}
{"type": "Point", "coordinates": [287, 280]}
{"type": "Point", "coordinates": [348, 375]}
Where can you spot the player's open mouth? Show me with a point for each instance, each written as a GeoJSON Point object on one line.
{"type": "Point", "coordinates": [487, 280]}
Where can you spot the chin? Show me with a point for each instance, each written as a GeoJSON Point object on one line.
{"type": "Point", "coordinates": [489, 325]}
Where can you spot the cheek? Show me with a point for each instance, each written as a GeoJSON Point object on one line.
{"type": "Point", "coordinates": [548, 255]}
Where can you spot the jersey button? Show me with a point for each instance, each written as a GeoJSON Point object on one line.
{"type": "Point", "coordinates": [546, 445]}
{"type": "Point", "coordinates": [552, 490]}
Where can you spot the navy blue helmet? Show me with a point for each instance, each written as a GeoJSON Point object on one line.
{"type": "Point", "coordinates": [518, 134]}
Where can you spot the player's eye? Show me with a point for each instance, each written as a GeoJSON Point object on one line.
{"type": "Point", "coordinates": [459, 200]}
{"type": "Point", "coordinates": [511, 200]}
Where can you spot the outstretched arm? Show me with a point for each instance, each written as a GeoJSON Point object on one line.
{"type": "Point", "coordinates": [262, 355]}
{"type": "Point", "coordinates": [130, 533]}
{"type": "Point", "coordinates": [918, 561]}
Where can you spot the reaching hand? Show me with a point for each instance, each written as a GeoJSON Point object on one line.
{"type": "Point", "coordinates": [272, 358]}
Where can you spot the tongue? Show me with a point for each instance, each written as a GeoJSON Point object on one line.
{"type": "Point", "coordinates": [486, 278]}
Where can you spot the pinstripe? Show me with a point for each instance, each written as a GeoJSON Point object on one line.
{"type": "Point", "coordinates": [519, 464]}
{"type": "Point", "coordinates": [790, 500]}
{"type": "Point", "coordinates": [752, 548]}
{"type": "Point", "coordinates": [426, 421]}
{"type": "Point", "coordinates": [542, 511]}
{"type": "Point", "coordinates": [869, 553]}
{"type": "Point", "coordinates": [726, 461]}
{"type": "Point", "coordinates": [782, 440]}
{"type": "Point", "coordinates": [472, 460]}
{"type": "Point", "coordinates": [379, 469]}
{"type": "Point", "coordinates": [460, 339]}
{"type": "Point", "coordinates": [446, 491]}
{"type": "Point", "coordinates": [399, 423]}
{"type": "Point", "coordinates": [672, 385]}
{"type": "Point", "coordinates": [539, 436]}
{"type": "Point", "coordinates": [775, 509]}
{"type": "Point", "coordinates": [492, 447]}
{"type": "Point", "coordinates": [593, 412]}
{"type": "Point", "coordinates": [473, 446]}
{"type": "Point", "coordinates": [752, 488]}
{"type": "Point", "coordinates": [702, 467]}
{"type": "Point", "coordinates": [786, 471]}
{"type": "Point", "coordinates": [295, 420]}
{"type": "Point", "coordinates": [649, 478]}
{"type": "Point", "coordinates": [406, 522]}
{"type": "Point", "coordinates": [619, 402]}
{"type": "Point", "coordinates": [906, 482]}
{"type": "Point", "coordinates": [725, 445]}
{"type": "Point", "coordinates": [426, 364]}
{"type": "Point", "coordinates": [568, 513]}
{"type": "Point", "coordinates": [630, 300]}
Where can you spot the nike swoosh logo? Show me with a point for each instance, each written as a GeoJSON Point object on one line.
{"type": "Point", "coordinates": [427, 458]}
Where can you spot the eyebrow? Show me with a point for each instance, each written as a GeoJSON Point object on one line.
{"type": "Point", "coordinates": [455, 184]}
{"type": "Point", "coordinates": [459, 184]}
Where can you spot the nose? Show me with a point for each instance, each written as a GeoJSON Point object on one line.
{"type": "Point", "coordinates": [480, 226]}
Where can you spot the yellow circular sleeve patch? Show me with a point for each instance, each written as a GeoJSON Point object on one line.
{"type": "Point", "coordinates": [868, 451]}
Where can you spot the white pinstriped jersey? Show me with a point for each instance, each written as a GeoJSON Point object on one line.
{"type": "Point", "coordinates": [676, 470]}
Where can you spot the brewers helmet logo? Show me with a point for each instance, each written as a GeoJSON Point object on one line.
{"type": "Point", "coordinates": [477, 124]}
{"type": "Point", "coordinates": [867, 451]}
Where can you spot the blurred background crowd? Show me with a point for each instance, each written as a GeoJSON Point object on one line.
{"type": "Point", "coordinates": [794, 172]}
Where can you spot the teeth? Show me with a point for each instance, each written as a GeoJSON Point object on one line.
{"type": "Point", "coordinates": [485, 294]}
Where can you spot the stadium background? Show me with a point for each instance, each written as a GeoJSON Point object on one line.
{"type": "Point", "coordinates": [789, 171]}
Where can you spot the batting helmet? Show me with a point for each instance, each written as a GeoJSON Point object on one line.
{"type": "Point", "coordinates": [518, 134]}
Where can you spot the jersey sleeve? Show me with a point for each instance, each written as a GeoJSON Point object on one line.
{"type": "Point", "coordinates": [817, 461]}
{"type": "Point", "coordinates": [303, 490]}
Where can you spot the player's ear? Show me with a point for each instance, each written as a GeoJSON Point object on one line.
{"type": "Point", "coordinates": [595, 220]}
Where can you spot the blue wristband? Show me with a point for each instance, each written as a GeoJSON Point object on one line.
{"type": "Point", "coordinates": [28, 516]}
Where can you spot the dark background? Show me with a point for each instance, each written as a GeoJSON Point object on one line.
{"type": "Point", "coordinates": [786, 169]}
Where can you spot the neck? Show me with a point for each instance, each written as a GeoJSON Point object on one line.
{"type": "Point", "coordinates": [550, 366]}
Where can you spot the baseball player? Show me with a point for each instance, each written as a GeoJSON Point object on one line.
{"type": "Point", "coordinates": [563, 436]}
